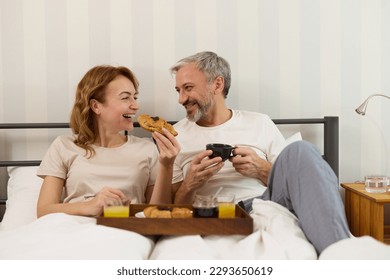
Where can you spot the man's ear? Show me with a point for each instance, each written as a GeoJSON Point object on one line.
{"type": "Point", "coordinates": [219, 84]}
{"type": "Point", "coordinates": [94, 105]}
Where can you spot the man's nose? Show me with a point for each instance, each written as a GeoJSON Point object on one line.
{"type": "Point", "coordinates": [182, 97]}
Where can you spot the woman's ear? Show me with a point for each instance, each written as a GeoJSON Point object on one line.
{"type": "Point", "coordinates": [94, 105]}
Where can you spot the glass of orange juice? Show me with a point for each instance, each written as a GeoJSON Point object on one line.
{"type": "Point", "coordinates": [226, 206]}
{"type": "Point", "coordinates": [119, 210]}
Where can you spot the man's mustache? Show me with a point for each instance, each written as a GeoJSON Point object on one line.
{"type": "Point", "coordinates": [189, 102]}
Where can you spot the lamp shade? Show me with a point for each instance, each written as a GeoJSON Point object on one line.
{"type": "Point", "coordinates": [361, 110]}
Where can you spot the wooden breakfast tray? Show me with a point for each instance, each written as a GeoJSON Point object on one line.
{"type": "Point", "coordinates": [241, 224]}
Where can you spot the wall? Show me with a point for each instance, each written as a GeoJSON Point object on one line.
{"type": "Point", "coordinates": [289, 59]}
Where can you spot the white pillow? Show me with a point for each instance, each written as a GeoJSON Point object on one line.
{"type": "Point", "coordinates": [22, 191]}
{"type": "Point", "coordinates": [296, 137]}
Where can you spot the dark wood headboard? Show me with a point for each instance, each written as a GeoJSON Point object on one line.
{"type": "Point", "coordinates": [330, 134]}
{"type": "Point", "coordinates": [331, 137]}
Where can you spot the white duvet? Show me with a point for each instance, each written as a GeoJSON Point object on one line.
{"type": "Point", "coordinates": [276, 236]}
{"type": "Point", "coordinates": [60, 236]}
{"type": "Point", "coordinates": [65, 237]}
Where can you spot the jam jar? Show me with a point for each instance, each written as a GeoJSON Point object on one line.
{"type": "Point", "coordinates": [205, 206]}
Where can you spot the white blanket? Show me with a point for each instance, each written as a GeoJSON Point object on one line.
{"type": "Point", "coordinates": [60, 236]}
{"type": "Point", "coordinates": [357, 248]}
{"type": "Point", "coordinates": [66, 237]}
{"type": "Point", "coordinates": [276, 236]}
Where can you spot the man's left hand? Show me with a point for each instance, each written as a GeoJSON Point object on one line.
{"type": "Point", "coordinates": [249, 164]}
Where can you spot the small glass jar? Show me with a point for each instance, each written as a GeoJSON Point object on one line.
{"type": "Point", "coordinates": [376, 183]}
{"type": "Point", "coordinates": [205, 206]}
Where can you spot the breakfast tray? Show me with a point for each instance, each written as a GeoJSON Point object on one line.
{"type": "Point", "coordinates": [241, 224]}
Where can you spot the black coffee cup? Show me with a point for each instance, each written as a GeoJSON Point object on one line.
{"type": "Point", "coordinates": [224, 151]}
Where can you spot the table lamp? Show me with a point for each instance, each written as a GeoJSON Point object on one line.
{"type": "Point", "coordinates": [361, 110]}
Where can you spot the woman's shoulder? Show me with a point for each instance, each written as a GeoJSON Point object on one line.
{"type": "Point", "coordinates": [65, 139]}
{"type": "Point", "coordinates": [141, 144]}
{"type": "Point", "coordinates": [140, 140]}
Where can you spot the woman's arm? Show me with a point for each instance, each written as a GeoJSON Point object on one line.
{"type": "Point", "coordinates": [49, 200]}
{"type": "Point", "coordinates": [168, 150]}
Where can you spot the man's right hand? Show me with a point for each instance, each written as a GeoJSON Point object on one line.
{"type": "Point", "coordinates": [202, 168]}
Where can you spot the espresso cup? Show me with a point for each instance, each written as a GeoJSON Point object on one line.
{"type": "Point", "coordinates": [224, 151]}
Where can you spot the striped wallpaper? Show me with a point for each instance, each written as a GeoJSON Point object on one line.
{"type": "Point", "coordinates": [289, 59]}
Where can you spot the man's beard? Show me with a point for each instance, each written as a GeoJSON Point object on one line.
{"type": "Point", "coordinates": [201, 110]}
{"type": "Point", "coordinates": [196, 117]}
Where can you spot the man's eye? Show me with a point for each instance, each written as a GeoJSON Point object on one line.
{"type": "Point", "coordinates": [189, 88]}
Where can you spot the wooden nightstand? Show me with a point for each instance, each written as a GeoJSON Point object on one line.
{"type": "Point", "coordinates": [365, 212]}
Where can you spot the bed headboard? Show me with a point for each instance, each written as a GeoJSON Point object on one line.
{"type": "Point", "coordinates": [330, 143]}
{"type": "Point", "coordinates": [330, 136]}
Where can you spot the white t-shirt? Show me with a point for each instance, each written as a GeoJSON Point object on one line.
{"type": "Point", "coordinates": [130, 167]}
{"type": "Point", "coordinates": [249, 129]}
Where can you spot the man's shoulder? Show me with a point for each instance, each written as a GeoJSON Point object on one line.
{"type": "Point", "coordinates": [251, 114]}
{"type": "Point", "coordinates": [182, 124]}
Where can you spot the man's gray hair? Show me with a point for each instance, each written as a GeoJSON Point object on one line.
{"type": "Point", "coordinates": [210, 64]}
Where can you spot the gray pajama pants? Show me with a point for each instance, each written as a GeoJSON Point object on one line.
{"type": "Point", "coordinates": [305, 184]}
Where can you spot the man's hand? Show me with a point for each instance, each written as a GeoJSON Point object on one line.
{"type": "Point", "coordinates": [201, 170]}
{"type": "Point", "coordinates": [249, 164]}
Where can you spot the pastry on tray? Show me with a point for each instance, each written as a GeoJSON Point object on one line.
{"type": "Point", "coordinates": [175, 212]}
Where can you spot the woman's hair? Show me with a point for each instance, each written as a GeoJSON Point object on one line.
{"type": "Point", "coordinates": [93, 86]}
{"type": "Point", "coordinates": [210, 64]}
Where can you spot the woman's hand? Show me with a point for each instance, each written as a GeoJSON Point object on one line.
{"type": "Point", "coordinates": [107, 196]}
{"type": "Point", "coordinates": [167, 145]}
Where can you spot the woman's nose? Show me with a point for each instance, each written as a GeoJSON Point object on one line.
{"type": "Point", "coordinates": [134, 105]}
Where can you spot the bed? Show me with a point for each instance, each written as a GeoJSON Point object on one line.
{"type": "Point", "coordinates": [276, 236]}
